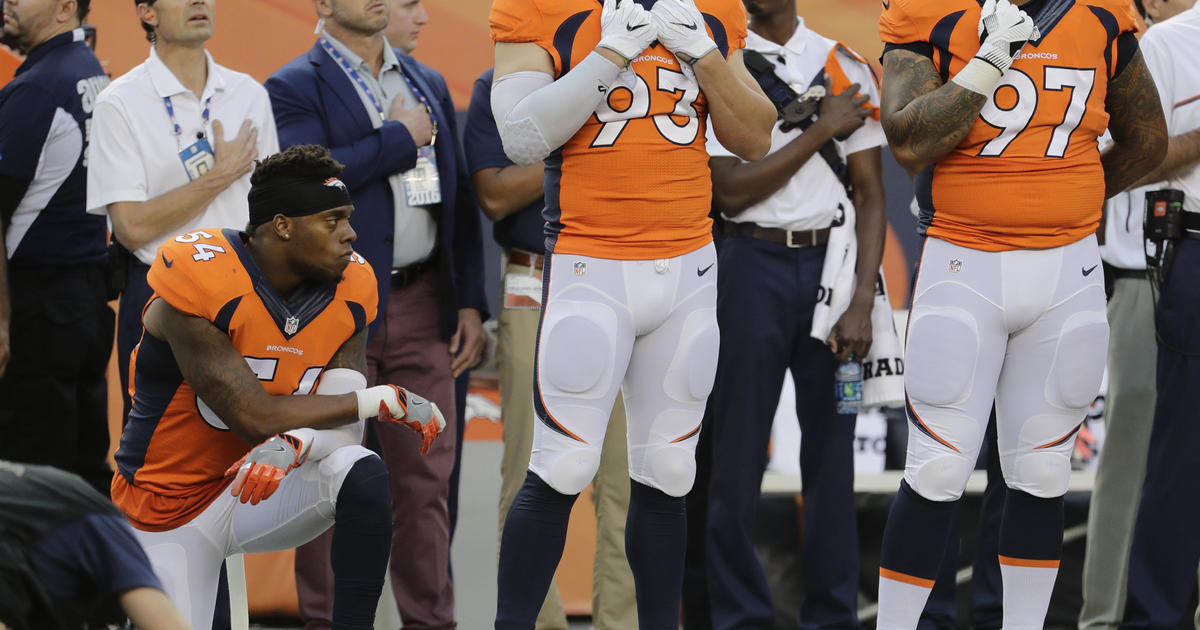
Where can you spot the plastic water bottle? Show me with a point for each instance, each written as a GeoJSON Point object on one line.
{"type": "Point", "coordinates": [848, 383]}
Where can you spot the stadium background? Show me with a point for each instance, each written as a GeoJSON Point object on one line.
{"type": "Point", "coordinates": [259, 36]}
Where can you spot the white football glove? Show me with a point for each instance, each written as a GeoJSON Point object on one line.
{"type": "Point", "coordinates": [626, 28]}
{"type": "Point", "coordinates": [1004, 30]}
{"type": "Point", "coordinates": [681, 29]}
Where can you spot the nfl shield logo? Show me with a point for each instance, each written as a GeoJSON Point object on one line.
{"type": "Point", "coordinates": [580, 268]}
{"type": "Point", "coordinates": [291, 325]}
{"type": "Point", "coordinates": [955, 265]}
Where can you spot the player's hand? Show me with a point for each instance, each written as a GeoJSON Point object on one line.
{"type": "Point", "coordinates": [626, 28]}
{"type": "Point", "coordinates": [842, 114]}
{"type": "Point", "coordinates": [466, 345]}
{"type": "Point", "coordinates": [1004, 29]}
{"type": "Point", "coordinates": [851, 335]}
{"type": "Point", "coordinates": [681, 29]}
{"type": "Point", "coordinates": [259, 472]}
{"type": "Point", "coordinates": [397, 404]}
{"type": "Point", "coordinates": [415, 119]}
{"type": "Point", "coordinates": [233, 158]}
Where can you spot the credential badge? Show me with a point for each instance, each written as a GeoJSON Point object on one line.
{"type": "Point", "coordinates": [291, 325]}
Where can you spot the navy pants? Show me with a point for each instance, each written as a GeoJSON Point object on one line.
{"type": "Point", "coordinates": [766, 293]}
{"type": "Point", "coordinates": [1166, 548]}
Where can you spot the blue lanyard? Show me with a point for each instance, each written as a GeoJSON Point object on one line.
{"type": "Point", "coordinates": [354, 76]}
{"type": "Point", "coordinates": [179, 130]}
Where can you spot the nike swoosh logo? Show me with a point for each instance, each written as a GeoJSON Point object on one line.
{"type": "Point", "coordinates": [631, 28]}
{"type": "Point", "coordinates": [701, 272]}
{"type": "Point", "coordinates": [1089, 270]}
{"type": "Point", "coordinates": [691, 26]}
{"type": "Point", "coordinates": [166, 262]}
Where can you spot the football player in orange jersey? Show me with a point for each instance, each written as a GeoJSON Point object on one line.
{"type": "Point", "coordinates": [243, 325]}
{"type": "Point", "coordinates": [996, 108]}
{"type": "Point", "coordinates": [616, 97]}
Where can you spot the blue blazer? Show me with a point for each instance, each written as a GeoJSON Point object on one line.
{"type": "Point", "coordinates": [315, 103]}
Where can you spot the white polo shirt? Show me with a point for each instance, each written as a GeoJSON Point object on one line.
{"type": "Point", "coordinates": [1171, 49]}
{"type": "Point", "coordinates": [810, 199]}
{"type": "Point", "coordinates": [134, 152]}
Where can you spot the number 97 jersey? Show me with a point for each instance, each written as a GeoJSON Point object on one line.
{"type": "Point", "coordinates": [633, 183]}
{"type": "Point", "coordinates": [1028, 173]}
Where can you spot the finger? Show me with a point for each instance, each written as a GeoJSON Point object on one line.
{"type": "Point", "coordinates": [454, 339]}
{"type": "Point", "coordinates": [248, 487]}
{"type": "Point", "coordinates": [218, 131]}
{"type": "Point", "coordinates": [853, 89]}
{"type": "Point", "coordinates": [236, 487]}
{"type": "Point", "coordinates": [458, 365]}
{"type": "Point", "coordinates": [860, 99]}
{"type": "Point", "coordinates": [247, 127]}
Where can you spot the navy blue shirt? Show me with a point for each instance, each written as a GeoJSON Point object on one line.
{"type": "Point", "coordinates": [524, 229]}
{"type": "Point", "coordinates": [45, 115]}
{"type": "Point", "coordinates": [64, 548]}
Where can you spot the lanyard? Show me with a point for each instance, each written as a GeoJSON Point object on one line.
{"type": "Point", "coordinates": [362, 84]}
{"type": "Point", "coordinates": [179, 130]}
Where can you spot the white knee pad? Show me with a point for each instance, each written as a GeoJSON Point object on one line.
{"type": "Point", "coordinates": [940, 478]}
{"type": "Point", "coordinates": [669, 467]}
{"type": "Point", "coordinates": [940, 356]}
{"type": "Point", "coordinates": [1078, 364]}
{"type": "Point", "coordinates": [572, 469]}
{"type": "Point", "coordinates": [690, 375]}
{"type": "Point", "coordinates": [1045, 474]}
{"type": "Point", "coordinates": [578, 348]}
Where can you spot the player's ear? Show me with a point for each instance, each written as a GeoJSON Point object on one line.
{"type": "Point", "coordinates": [282, 227]}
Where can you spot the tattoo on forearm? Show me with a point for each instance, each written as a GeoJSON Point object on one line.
{"type": "Point", "coordinates": [1137, 126]}
{"type": "Point", "coordinates": [922, 114]}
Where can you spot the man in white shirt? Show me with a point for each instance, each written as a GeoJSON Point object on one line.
{"type": "Point", "coordinates": [161, 160]}
{"type": "Point", "coordinates": [778, 213]}
{"type": "Point", "coordinates": [1165, 549]}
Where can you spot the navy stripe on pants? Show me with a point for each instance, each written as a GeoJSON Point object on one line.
{"type": "Point", "coordinates": [766, 293]}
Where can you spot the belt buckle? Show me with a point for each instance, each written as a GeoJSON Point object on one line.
{"type": "Point", "coordinates": [794, 245]}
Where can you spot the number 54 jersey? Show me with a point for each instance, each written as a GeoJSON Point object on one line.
{"type": "Point", "coordinates": [1028, 173]}
{"type": "Point", "coordinates": [633, 183]}
{"type": "Point", "coordinates": [174, 450]}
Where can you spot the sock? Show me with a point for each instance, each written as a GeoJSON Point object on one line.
{"type": "Point", "coordinates": [530, 548]}
{"type": "Point", "coordinates": [1030, 548]}
{"type": "Point", "coordinates": [655, 544]}
{"type": "Point", "coordinates": [914, 542]}
{"type": "Point", "coordinates": [362, 541]}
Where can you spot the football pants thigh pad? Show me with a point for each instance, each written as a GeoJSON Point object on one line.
{"type": "Point", "coordinates": [578, 348]}
{"type": "Point", "coordinates": [1079, 359]}
{"type": "Point", "coordinates": [940, 356]}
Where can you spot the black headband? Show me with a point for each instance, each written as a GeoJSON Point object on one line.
{"type": "Point", "coordinates": [295, 197]}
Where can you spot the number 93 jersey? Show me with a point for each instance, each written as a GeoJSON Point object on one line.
{"type": "Point", "coordinates": [633, 183]}
{"type": "Point", "coordinates": [1028, 173]}
{"type": "Point", "coordinates": [174, 450]}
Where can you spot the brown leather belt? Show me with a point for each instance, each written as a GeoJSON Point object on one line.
{"type": "Point", "coordinates": [791, 238]}
{"type": "Point", "coordinates": [522, 258]}
{"type": "Point", "coordinates": [404, 276]}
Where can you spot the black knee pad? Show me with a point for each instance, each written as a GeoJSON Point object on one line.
{"type": "Point", "coordinates": [364, 498]}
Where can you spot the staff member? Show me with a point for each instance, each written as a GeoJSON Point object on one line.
{"type": "Point", "coordinates": [161, 160]}
{"type": "Point", "coordinates": [1165, 549]}
{"type": "Point", "coordinates": [55, 326]}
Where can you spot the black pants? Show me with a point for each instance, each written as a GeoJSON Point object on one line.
{"type": "Point", "coordinates": [129, 324]}
{"type": "Point", "coordinates": [53, 397]}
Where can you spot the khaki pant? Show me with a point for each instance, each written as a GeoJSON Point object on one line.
{"type": "Point", "coordinates": [1128, 417]}
{"type": "Point", "coordinates": [613, 603]}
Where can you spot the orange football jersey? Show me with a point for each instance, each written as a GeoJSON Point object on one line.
{"type": "Point", "coordinates": [174, 450]}
{"type": "Point", "coordinates": [1028, 173]}
{"type": "Point", "coordinates": [633, 183]}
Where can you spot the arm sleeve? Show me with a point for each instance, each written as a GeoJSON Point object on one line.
{"type": "Point", "coordinates": [300, 119]}
{"type": "Point", "coordinates": [481, 139]}
{"type": "Point", "coordinates": [24, 124]}
{"type": "Point", "coordinates": [115, 168]}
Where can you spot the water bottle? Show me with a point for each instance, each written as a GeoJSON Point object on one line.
{"type": "Point", "coordinates": [848, 383]}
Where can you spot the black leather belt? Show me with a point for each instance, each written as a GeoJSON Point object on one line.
{"type": "Point", "coordinates": [791, 238]}
{"type": "Point", "coordinates": [404, 276]}
{"type": "Point", "coordinates": [1191, 225]}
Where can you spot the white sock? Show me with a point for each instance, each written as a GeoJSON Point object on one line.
{"type": "Point", "coordinates": [901, 600]}
{"type": "Point", "coordinates": [1027, 588]}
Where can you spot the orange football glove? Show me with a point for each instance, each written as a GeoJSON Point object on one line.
{"type": "Point", "coordinates": [259, 472]}
{"type": "Point", "coordinates": [415, 412]}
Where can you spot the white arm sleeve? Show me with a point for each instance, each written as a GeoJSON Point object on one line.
{"type": "Point", "coordinates": [536, 114]}
{"type": "Point", "coordinates": [335, 381]}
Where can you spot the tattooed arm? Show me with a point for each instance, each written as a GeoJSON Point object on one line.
{"type": "Point", "coordinates": [1137, 126]}
{"type": "Point", "coordinates": [923, 118]}
{"type": "Point", "coordinates": [220, 376]}
{"type": "Point", "coordinates": [1183, 153]}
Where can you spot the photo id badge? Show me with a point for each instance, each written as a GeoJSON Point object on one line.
{"type": "Point", "coordinates": [422, 186]}
{"type": "Point", "coordinates": [197, 159]}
